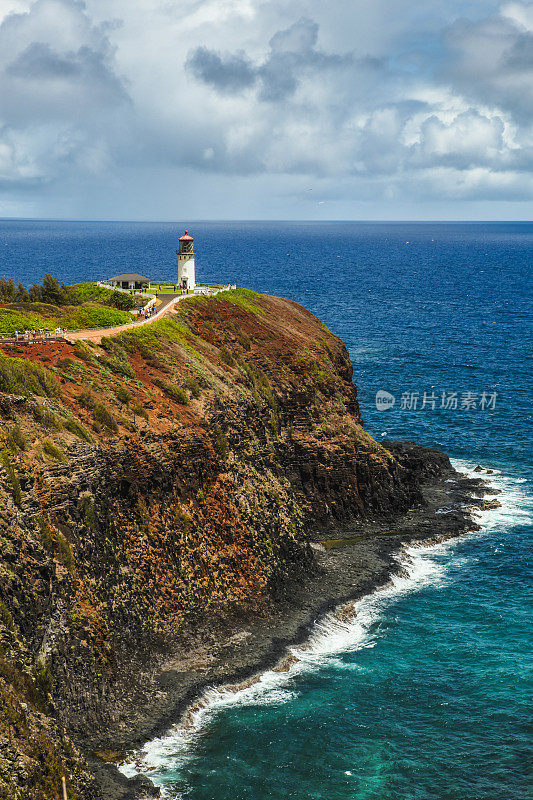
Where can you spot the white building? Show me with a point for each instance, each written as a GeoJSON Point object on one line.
{"type": "Point", "coordinates": [186, 275]}
{"type": "Point", "coordinates": [129, 280]}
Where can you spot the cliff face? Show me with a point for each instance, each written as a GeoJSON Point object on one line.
{"type": "Point", "coordinates": [168, 477]}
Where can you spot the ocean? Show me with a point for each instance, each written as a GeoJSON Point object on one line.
{"type": "Point", "coordinates": [423, 695]}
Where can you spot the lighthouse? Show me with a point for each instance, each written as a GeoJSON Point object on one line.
{"type": "Point", "coordinates": [185, 251]}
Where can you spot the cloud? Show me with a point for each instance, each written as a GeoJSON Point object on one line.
{"type": "Point", "coordinates": [292, 55]}
{"type": "Point", "coordinates": [58, 91]}
{"type": "Point", "coordinates": [491, 60]}
{"type": "Point", "coordinates": [375, 104]}
{"type": "Point", "coordinates": [226, 73]}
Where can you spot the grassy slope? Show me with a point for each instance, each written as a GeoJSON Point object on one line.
{"type": "Point", "coordinates": [92, 312]}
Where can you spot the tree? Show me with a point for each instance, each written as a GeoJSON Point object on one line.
{"type": "Point", "coordinates": [121, 300]}
{"type": "Point", "coordinates": [22, 295]}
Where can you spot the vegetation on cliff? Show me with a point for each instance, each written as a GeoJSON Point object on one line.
{"type": "Point", "coordinates": [169, 473]}
{"type": "Point", "coordinates": [53, 305]}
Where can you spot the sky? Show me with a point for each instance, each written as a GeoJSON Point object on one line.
{"type": "Point", "coordinates": [266, 109]}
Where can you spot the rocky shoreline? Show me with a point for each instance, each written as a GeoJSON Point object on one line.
{"type": "Point", "coordinates": [352, 562]}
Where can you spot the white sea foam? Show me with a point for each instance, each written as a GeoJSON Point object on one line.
{"type": "Point", "coordinates": [349, 628]}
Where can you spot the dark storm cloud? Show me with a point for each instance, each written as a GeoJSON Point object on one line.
{"type": "Point", "coordinates": [225, 73]}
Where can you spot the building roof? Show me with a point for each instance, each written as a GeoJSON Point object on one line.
{"type": "Point", "coordinates": [186, 237]}
{"type": "Point", "coordinates": [132, 277]}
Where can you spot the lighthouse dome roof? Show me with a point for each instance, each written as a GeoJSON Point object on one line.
{"type": "Point", "coordinates": [186, 237]}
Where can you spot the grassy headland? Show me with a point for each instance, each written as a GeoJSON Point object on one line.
{"type": "Point", "coordinates": [52, 305]}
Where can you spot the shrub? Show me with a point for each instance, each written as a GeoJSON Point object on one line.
{"type": "Point", "coordinates": [82, 352]}
{"type": "Point", "coordinates": [226, 357]}
{"type": "Point", "coordinates": [43, 680]}
{"type": "Point", "coordinates": [105, 418]}
{"type": "Point", "coordinates": [15, 438]}
{"type": "Point", "coordinates": [86, 400]}
{"type": "Point", "coordinates": [64, 363]}
{"type": "Point", "coordinates": [53, 451]}
{"type": "Point", "coordinates": [182, 520]}
{"type": "Point", "coordinates": [123, 395]}
{"type": "Point", "coordinates": [221, 445]}
{"type": "Point", "coordinates": [101, 415]}
{"type": "Point", "coordinates": [138, 410]}
{"type": "Point", "coordinates": [12, 478]}
{"type": "Point", "coordinates": [5, 616]}
{"type": "Point", "coordinates": [86, 509]}
{"type": "Point", "coordinates": [118, 366]}
{"type": "Point", "coordinates": [46, 418]}
{"type": "Point", "coordinates": [55, 544]}
{"type": "Point", "coordinates": [18, 376]}
{"type": "Point", "coordinates": [193, 386]}
{"type": "Point", "coordinates": [121, 300]}
{"type": "Point", "coordinates": [75, 427]}
{"type": "Point", "coordinates": [172, 390]}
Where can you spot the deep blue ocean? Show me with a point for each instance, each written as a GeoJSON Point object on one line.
{"type": "Point", "coordinates": [424, 694]}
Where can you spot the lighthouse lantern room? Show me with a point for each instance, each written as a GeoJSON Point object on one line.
{"type": "Point", "coordinates": [185, 252]}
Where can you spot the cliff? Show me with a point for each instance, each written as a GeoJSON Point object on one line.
{"type": "Point", "coordinates": [168, 479]}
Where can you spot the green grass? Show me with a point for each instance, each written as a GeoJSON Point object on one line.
{"type": "Point", "coordinates": [19, 376]}
{"type": "Point", "coordinates": [245, 298]}
{"type": "Point", "coordinates": [88, 315]}
{"type": "Point", "coordinates": [90, 292]}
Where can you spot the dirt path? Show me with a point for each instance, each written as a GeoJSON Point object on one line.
{"type": "Point", "coordinates": [96, 334]}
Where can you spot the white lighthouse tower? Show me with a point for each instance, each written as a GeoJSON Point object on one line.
{"type": "Point", "coordinates": [185, 251]}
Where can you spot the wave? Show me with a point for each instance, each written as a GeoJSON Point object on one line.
{"type": "Point", "coordinates": [351, 627]}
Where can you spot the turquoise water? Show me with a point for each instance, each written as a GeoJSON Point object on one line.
{"type": "Point", "coordinates": [424, 693]}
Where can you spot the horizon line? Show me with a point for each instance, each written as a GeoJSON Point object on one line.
{"type": "Point", "coordinates": [256, 220]}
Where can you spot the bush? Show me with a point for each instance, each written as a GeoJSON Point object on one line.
{"type": "Point", "coordinates": [86, 509]}
{"type": "Point", "coordinates": [118, 366]}
{"type": "Point", "coordinates": [105, 418]}
{"type": "Point", "coordinates": [15, 438]}
{"type": "Point", "coordinates": [101, 415]}
{"type": "Point", "coordinates": [121, 300]}
{"type": "Point", "coordinates": [18, 376]}
{"type": "Point", "coordinates": [123, 395]}
{"type": "Point", "coordinates": [182, 520]}
{"type": "Point", "coordinates": [75, 427]}
{"type": "Point", "coordinates": [138, 410]}
{"type": "Point", "coordinates": [53, 451]}
{"type": "Point", "coordinates": [226, 357]}
{"type": "Point", "coordinates": [193, 386]}
{"type": "Point", "coordinates": [12, 478]}
{"type": "Point", "coordinates": [172, 390]}
{"type": "Point", "coordinates": [5, 616]}
{"type": "Point", "coordinates": [46, 418]}
{"type": "Point", "coordinates": [221, 445]}
{"type": "Point", "coordinates": [43, 680]}
{"type": "Point", "coordinates": [55, 544]}
{"type": "Point", "coordinates": [82, 352]}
